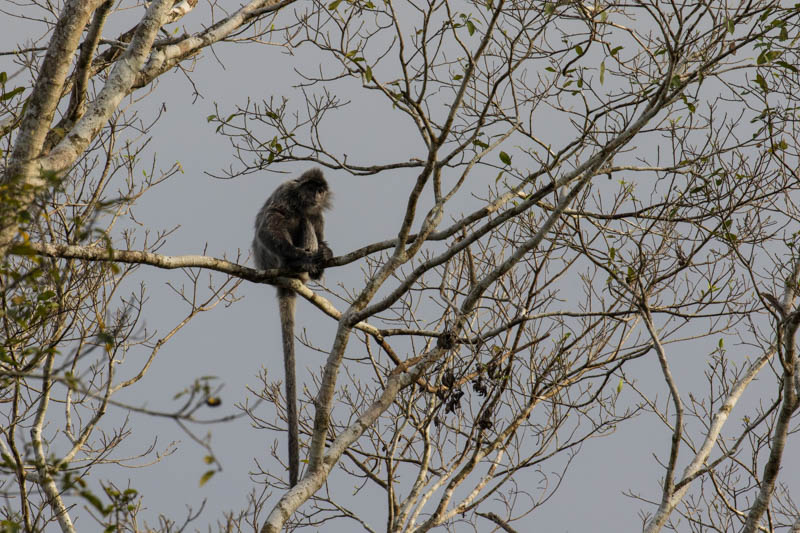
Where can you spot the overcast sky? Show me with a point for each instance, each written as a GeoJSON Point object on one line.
{"type": "Point", "coordinates": [234, 343]}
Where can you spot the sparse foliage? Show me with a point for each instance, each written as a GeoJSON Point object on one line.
{"type": "Point", "coordinates": [590, 186]}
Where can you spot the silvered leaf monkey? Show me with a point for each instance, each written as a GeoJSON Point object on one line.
{"type": "Point", "coordinates": [290, 235]}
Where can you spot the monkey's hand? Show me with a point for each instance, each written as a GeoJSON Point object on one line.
{"type": "Point", "coordinates": [324, 253]}
{"type": "Point", "coordinates": [304, 262]}
{"type": "Point", "coordinates": [321, 258]}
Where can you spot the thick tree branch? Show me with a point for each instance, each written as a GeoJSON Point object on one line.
{"type": "Point", "coordinates": [274, 277]}
{"type": "Point", "coordinates": [118, 85]}
{"type": "Point", "coordinates": [21, 172]}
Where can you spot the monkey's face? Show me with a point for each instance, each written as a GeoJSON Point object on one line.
{"type": "Point", "coordinates": [316, 197]}
{"type": "Point", "coordinates": [320, 195]}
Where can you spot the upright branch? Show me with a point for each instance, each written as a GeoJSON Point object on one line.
{"type": "Point", "coordinates": [786, 333]}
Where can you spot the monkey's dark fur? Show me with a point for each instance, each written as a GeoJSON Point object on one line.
{"type": "Point", "coordinates": [290, 235]}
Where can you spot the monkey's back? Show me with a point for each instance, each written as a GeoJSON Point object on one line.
{"type": "Point", "coordinates": [272, 225]}
{"type": "Point", "coordinates": [263, 254]}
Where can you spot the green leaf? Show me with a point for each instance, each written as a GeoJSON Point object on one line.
{"type": "Point", "coordinates": [630, 277]}
{"type": "Point", "coordinates": [368, 74]}
{"type": "Point", "coordinates": [619, 386]}
{"type": "Point", "coordinates": [21, 249]}
{"type": "Point", "coordinates": [549, 8]}
{"type": "Point", "coordinates": [470, 27]}
{"type": "Point", "coordinates": [762, 83]}
{"type": "Point", "coordinates": [94, 501]}
{"type": "Point", "coordinates": [333, 5]}
{"type": "Point", "coordinates": [505, 158]}
{"type": "Point", "coordinates": [46, 295]}
{"type": "Point", "coordinates": [208, 475]}
{"type": "Point", "coordinates": [3, 78]}
{"type": "Point", "coordinates": [615, 50]}
{"type": "Point", "coordinates": [602, 72]}
{"type": "Point", "coordinates": [105, 338]}
{"type": "Point", "coordinates": [729, 25]}
{"type": "Point", "coordinates": [11, 94]}
{"type": "Point", "coordinates": [7, 526]}
{"type": "Point", "coordinates": [480, 144]}
{"type": "Point", "coordinates": [767, 56]}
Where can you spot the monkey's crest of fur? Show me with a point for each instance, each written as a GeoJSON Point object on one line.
{"type": "Point", "coordinates": [309, 193]}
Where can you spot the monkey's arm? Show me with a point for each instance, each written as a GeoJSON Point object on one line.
{"type": "Point", "coordinates": [324, 252]}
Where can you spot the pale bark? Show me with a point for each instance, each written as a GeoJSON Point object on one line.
{"type": "Point", "coordinates": [314, 479]}
{"type": "Point", "coordinates": [696, 467]}
{"type": "Point", "coordinates": [790, 403]}
{"type": "Point", "coordinates": [22, 172]}
{"type": "Point", "coordinates": [272, 276]}
{"type": "Point", "coordinates": [699, 460]}
{"type": "Point", "coordinates": [137, 67]}
{"type": "Point", "coordinates": [677, 430]}
{"type": "Point", "coordinates": [167, 57]}
{"type": "Point", "coordinates": [42, 467]}
{"type": "Point", "coordinates": [321, 462]}
{"type": "Point", "coordinates": [117, 86]}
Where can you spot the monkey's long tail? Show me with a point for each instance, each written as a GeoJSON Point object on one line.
{"type": "Point", "coordinates": [286, 306]}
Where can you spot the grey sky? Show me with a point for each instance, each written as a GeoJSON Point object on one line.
{"type": "Point", "coordinates": [234, 343]}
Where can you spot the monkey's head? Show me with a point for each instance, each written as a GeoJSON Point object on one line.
{"type": "Point", "coordinates": [312, 192]}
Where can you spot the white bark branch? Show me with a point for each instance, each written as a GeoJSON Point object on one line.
{"type": "Point", "coordinates": [272, 276]}
{"type": "Point", "coordinates": [314, 478]}
{"type": "Point", "coordinates": [21, 171]}
{"type": "Point", "coordinates": [117, 86]}
{"type": "Point", "coordinates": [787, 331]}
{"type": "Point", "coordinates": [677, 430]}
{"type": "Point", "coordinates": [45, 479]}
{"type": "Point", "coordinates": [700, 458]}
